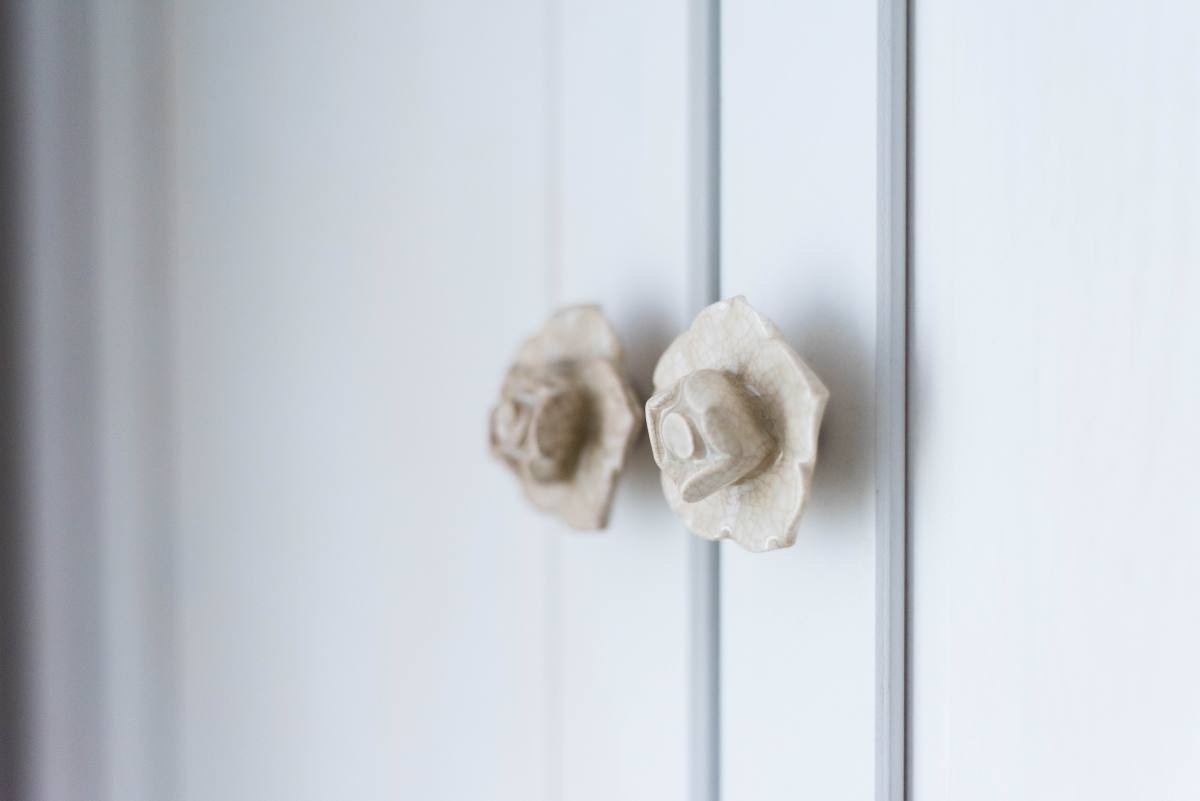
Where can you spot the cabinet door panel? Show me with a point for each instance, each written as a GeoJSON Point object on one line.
{"type": "Point", "coordinates": [1056, 378]}
{"type": "Point", "coordinates": [798, 239]}
{"type": "Point", "coordinates": [620, 83]}
{"type": "Point", "coordinates": [359, 241]}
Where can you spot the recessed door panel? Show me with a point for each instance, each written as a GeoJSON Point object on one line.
{"type": "Point", "coordinates": [1055, 564]}
{"type": "Point", "coordinates": [799, 217]}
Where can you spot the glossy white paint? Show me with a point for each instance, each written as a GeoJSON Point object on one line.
{"type": "Point", "coordinates": [798, 656]}
{"type": "Point", "coordinates": [1056, 378]}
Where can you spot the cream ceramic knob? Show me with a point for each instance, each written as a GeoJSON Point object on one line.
{"type": "Point", "coordinates": [733, 425]}
{"type": "Point", "coordinates": [566, 416]}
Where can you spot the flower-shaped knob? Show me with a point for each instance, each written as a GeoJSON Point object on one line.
{"type": "Point", "coordinates": [540, 422]}
{"type": "Point", "coordinates": [566, 417]}
{"type": "Point", "coordinates": [733, 425]}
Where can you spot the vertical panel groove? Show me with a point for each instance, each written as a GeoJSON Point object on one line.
{"type": "Point", "coordinates": [891, 368]}
{"type": "Point", "coordinates": [555, 728]}
{"type": "Point", "coordinates": [705, 260]}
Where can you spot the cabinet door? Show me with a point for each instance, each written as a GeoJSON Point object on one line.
{"type": "Point", "coordinates": [374, 205]}
{"type": "Point", "coordinates": [812, 152]}
{"type": "Point", "coordinates": [336, 222]}
{"type": "Point", "coordinates": [359, 245]}
{"type": "Point", "coordinates": [1056, 379]}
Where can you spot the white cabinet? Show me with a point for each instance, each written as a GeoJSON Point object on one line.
{"type": "Point", "coordinates": [315, 234]}
{"type": "Point", "coordinates": [390, 217]}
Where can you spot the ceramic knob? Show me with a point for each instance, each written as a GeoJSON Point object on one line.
{"type": "Point", "coordinates": [733, 426]}
{"type": "Point", "coordinates": [567, 417]}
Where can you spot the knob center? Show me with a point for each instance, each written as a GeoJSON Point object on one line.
{"type": "Point", "coordinates": [678, 436]}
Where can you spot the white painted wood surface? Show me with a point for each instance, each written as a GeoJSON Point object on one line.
{"type": "Point", "coordinates": [368, 195]}
{"type": "Point", "coordinates": [1056, 380]}
{"type": "Point", "coordinates": [361, 245]}
{"type": "Point", "coordinates": [799, 226]}
{"type": "Point", "coordinates": [620, 91]}
{"type": "Point", "coordinates": [365, 231]}
{"type": "Point", "coordinates": [337, 180]}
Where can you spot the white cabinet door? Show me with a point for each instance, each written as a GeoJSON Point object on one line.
{"type": "Point", "coordinates": [348, 216]}
{"type": "Point", "coordinates": [812, 202]}
{"type": "Point", "coordinates": [271, 558]}
{"type": "Point", "coordinates": [1056, 381]}
{"type": "Point", "coordinates": [359, 244]}
{"type": "Point", "coordinates": [374, 204]}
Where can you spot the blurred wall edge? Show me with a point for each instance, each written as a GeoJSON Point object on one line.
{"type": "Point", "coordinates": [13, 646]}
{"type": "Point", "coordinates": [55, 668]}
{"type": "Point", "coordinates": [85, 560]}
